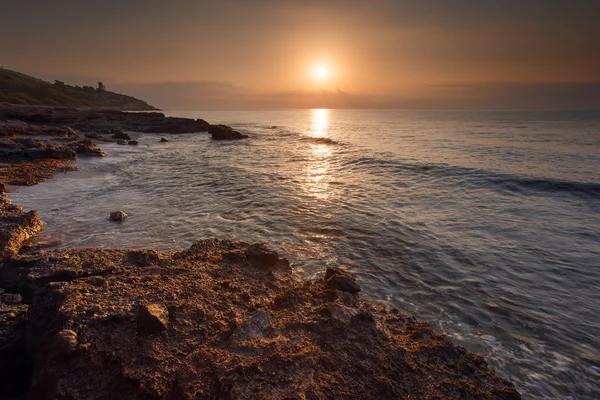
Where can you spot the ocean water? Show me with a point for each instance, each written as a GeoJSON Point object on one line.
{"type": "Point", "coordinates": [484, 224]}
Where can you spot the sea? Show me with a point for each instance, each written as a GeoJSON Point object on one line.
{"type": "Point", "coordinates": [484, 224]}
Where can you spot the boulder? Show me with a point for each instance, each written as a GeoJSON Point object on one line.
{"type": "Point", "coordinates": [259, 254]}
{"type": "Point", "coordinates": [87, 148]}
{"type": "Point", "coordinates": [122, 141]}
{"type": "Point", "coordinates": [65, 342]}
{"type": "Point", "coordinates": [133, 142]}
{"type": "Point", "coordinates": [224, 132]}
{"type": "Point", "coordinates": [338, 279]}
{"type": "Point", "coordinates": [163, 140]}
{"type": "Point", "coordinates": [117, 215]}
{"type": "Point", "coordinates": [152, 318]}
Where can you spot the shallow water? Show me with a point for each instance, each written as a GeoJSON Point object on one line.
{"type": "Point", "coordinates": [485, 224]}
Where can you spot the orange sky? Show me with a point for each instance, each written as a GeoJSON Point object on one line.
{"type": "Point", "coordinates": [261, 53]}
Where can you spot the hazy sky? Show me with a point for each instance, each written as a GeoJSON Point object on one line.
{"type": "Point", "coordinates": [263, 53]}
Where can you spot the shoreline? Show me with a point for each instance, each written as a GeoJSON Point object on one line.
{"type": "Point", "coordinates": [220, 320]}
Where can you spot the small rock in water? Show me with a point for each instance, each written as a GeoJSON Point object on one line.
{"type": "Point", "coordinates": [121, 141]}
{"type": "Point", "coordinates": [163, 140]}
{"type": "Point", "coordinates": [152, 318]}
{"type": "Point", "coordinates": [118, 216]}
{"type": "Point", "coordinates": [65, 342]}
{"type": "Point", "coordinates": [121, 135]}
{"type": "Point", "coordinates": [133, 142]}
{"type": "Point", "coordinates": [340, 280]}
{"type": "Point", "coordinates": [224, 132]}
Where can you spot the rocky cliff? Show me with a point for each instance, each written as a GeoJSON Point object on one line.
{"type": "Point", "coordinates": [18, 88]}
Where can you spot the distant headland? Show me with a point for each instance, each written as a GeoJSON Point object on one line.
{"type": "Point", "coordinates": [18, 88]}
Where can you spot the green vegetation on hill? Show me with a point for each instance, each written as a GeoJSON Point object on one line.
{"type": "Point", "coordinates": [17, 88]}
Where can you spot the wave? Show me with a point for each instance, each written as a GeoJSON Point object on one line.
{"type": "Point", "coordinates": [526, 184]}
{"type": "Point", "coordinates": [503, 182]}
{"type": "Point", "coordinates": [320, 140]}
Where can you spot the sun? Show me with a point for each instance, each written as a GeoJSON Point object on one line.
{"type": "Point", "coordinates": [322, 72]}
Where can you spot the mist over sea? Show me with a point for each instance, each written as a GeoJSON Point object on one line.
{"type": "Point", "coordinates": [484, 224]}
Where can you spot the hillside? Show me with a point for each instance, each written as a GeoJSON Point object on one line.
{"type": "Point", "coordinates": [18, 88]}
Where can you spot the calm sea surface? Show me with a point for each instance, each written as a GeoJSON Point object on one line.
{"type": "Point", "coordinates": [485, 224]}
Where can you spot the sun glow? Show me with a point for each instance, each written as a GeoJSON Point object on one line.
{"type": "Point", "coordinates": [322, 72]}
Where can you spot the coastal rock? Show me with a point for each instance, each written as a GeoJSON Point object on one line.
{"type": "Point", "coordinates": [87, 148]}
{"type": "Point", "coordinates": [59, 153]}
{"type": "Point", "coordinates": [122, 141]}
{"type": "Point", "coordinates": [252, 327]}
{"type": "Point", "coordinates": [95, 136]}
{"type": "Point", "coordinates": [65, 342]}
{"type": "Point", "coordinates": [338, 279]}
{"type": "Point", "coordinates": [224, 132]}
{"type": "Point", "coordinates": [152, 318]}
{"type": "Point", "coordinates": [29, 143]}
{"type": "Point", "coordinates": [16, 227]}
{"type": "Point", "coordinates": [121, 135]}
{"type": "Point", "coordinates": [225, 334]}
{"type": "Point", "coordinates": [117, 216]}
{"type": "Point", "coordinates": [133, 142]}
{"type": "Point", "coordinates": [261, 255]}
{"type": "Point", "coordinates": [163, 140]}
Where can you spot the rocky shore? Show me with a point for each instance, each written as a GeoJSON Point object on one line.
{"type": "Point", "coordinates": [38, 141]}
{"type": "Point", "coordinates": [220, 320]}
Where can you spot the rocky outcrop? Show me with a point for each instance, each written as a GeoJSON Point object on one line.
{"type": "Point", "coordinates": [16, 227]}
{"type": "Point", "coordinates": [224, 132]}
{"type": "Point", "coordinates": [94, 120]}
{"type": "Point", "coordinates": [225, 320]}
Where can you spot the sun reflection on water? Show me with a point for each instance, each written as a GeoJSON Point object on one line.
{"type": "Point", "coordinates": [318, 168]}
{"type": "Point", "coordinates": [320, 122]}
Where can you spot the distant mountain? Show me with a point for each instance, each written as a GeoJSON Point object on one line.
{"type": "Point", "coordinates": [18, 88]}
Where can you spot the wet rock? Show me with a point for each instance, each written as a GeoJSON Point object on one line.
{"type": "Point", "coordinates": [340, 280]}
{"type": "Point", "coordinates": [96, 136]}
{"type": "Point", "coordinates": [65, 342]}
{"type": "Point", "coordinates": [58, 153]}
{"type": "Point", "coordinates": [87, 148]}
{"type": "Point", "coordinates": [117, 216]}
{"type": "Point", "coordinates": [2, 188]}
{"type": "Point", "coordinates": [224, 132]}
{"type": "Point", "coordinates": [163, 140]}
{"type": "Point", "coordinates": [122, 141]}
{"type": "Point", "coordinates": [152, 318]}
{"type": "Point", "coordinates": [133, 142]}
{"type": "Point", "coordinates": [259, 254]}
{"type": "Point", "coordinates": [121, 135]}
